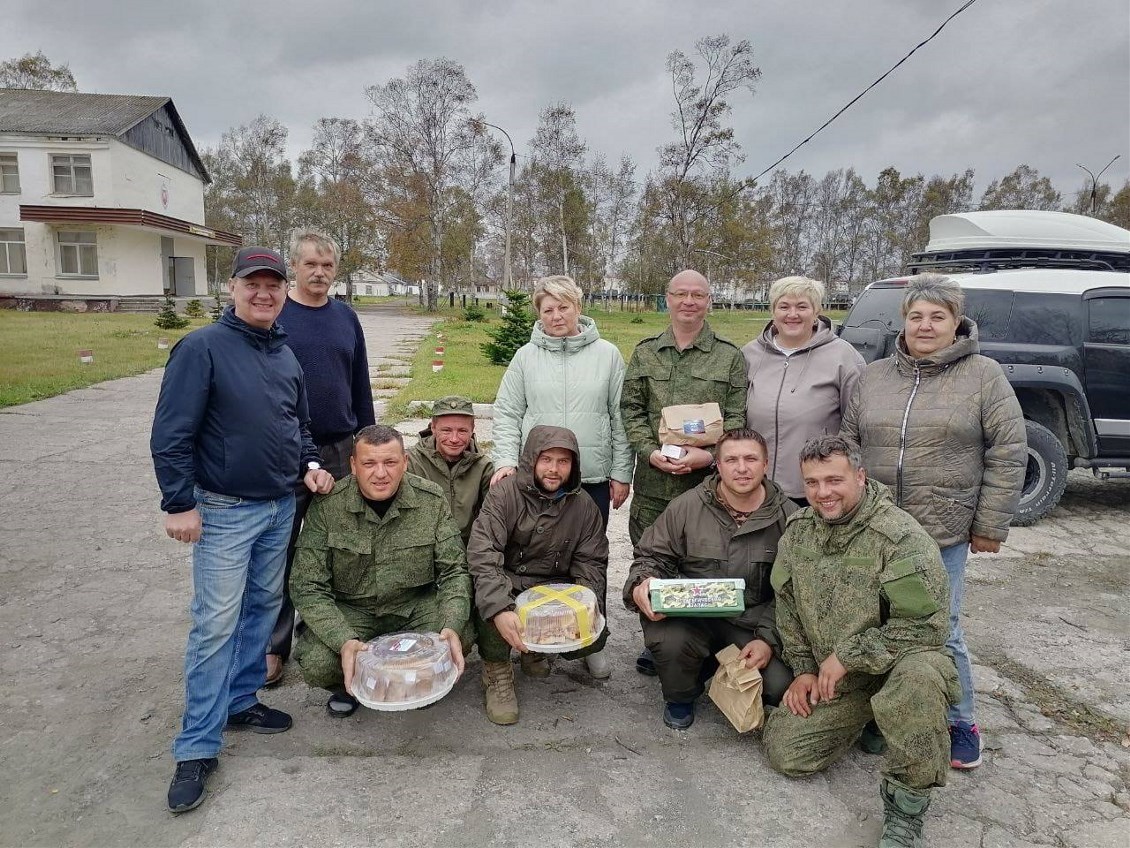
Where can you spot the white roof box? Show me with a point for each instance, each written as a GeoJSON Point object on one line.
{"type": "Point", "coordinates": [1024, 228]}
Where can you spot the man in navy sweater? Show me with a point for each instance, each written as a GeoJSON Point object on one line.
{"type": "Point", "coordinates": [230, 442]}
{"type": "Point", "coordinates": [326, 338]}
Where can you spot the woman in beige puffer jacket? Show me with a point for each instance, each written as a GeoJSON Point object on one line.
{"type": "Point", "coordinates": [941, 426]}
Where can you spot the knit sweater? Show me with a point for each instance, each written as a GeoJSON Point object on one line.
{"type": "Point", "coordinates": [328, 342]}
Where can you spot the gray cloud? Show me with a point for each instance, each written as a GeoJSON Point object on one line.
{"type": "Point", "coordinates": [1040, 81]}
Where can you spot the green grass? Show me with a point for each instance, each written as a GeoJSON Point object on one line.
{"type": "Point", "coordinates": [39, 351]}
{"type": "Point", "coordinates": [467, 372]}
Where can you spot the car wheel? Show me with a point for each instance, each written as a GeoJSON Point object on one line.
{"type": "Point", "coordinates": [1045, 476]}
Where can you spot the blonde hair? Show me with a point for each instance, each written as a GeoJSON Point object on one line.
{"type": "Point", "coordinates": [559, 287]}
{"type": "Point", "coordinates": [812, 290]}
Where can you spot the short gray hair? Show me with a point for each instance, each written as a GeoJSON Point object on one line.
{"type": "Point", "coordinates": [323, 243]}
{"type": "Point", "coordinates": [823, 448]}
{"type": "Point", "coordinates": [937, 289]}
{"type": "Point", "coordinates": [812, 290]}
{"type": "Point", "coordinates": [559, 287]}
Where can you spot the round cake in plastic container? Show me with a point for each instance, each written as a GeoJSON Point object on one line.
{"type": "Point", "coordinates": [558, 617]}
{"type": "Point", "coordinates": [403, 671]}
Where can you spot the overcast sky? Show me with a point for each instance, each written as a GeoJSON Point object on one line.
{"type": "Point", "coordinates": [1044, 82]}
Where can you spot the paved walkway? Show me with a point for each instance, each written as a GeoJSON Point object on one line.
{"type": "Point", "coordinates": [93, 617]}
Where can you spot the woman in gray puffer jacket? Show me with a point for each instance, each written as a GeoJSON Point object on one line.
{"type": "Point", "coordinates": [940, 425]}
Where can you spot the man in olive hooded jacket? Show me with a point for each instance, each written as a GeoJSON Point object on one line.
{"type": "Point", "coordinates": [726, 526]}
{"type": "Point", "coordinates": [448, 455]}
{"type": "Point", "coordinates": [537, 526]}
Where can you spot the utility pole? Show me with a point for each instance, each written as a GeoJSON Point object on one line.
{"type": "Point", "coordinates": [1095, 182]}
{"type": "Point", "coordinates": [507, 275]}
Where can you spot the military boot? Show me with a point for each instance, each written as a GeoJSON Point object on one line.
{"type": "Point", "coordinates": [498, 690]}
{"type": "Point", "coordinates": [903, 811]}
{"type": "Point", "coordinates": [534, 665]}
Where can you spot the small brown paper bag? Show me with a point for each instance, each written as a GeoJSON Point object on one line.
{"type": "Point", "coordinates": [696, 424]}
{"type": "Point", "coordinates": [736, 691]}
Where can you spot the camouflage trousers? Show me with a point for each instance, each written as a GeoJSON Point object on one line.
{"type": "Point", "coordinates": [321, 664]}
{"type": "Point", "coordinates": [642, 514]}
{"type": "Point", "coordinates": [908, 703]}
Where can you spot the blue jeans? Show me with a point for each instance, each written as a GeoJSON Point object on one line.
{"type": "Point", "coordinates": [237, 578]}
{"type": "Point", "coordinates": [954, 558]}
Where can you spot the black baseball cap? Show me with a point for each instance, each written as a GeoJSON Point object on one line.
{"type": "Point", "coordinates": [252, 259]}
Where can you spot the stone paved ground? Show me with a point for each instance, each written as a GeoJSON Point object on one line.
{"type": "Point", "coordinates": [93, 616]}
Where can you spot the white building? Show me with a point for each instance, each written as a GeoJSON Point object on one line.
{"type": "Point", "coordinates": [100, 194]}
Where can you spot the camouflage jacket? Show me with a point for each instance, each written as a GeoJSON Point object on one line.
{"type": "Point", "coordinates": [696, 537]}
{"type": "Point", "coordinates": [870, 590]}
{"type": "Point", "coordinates": [348, 556]}
{"type": "Point", "coordinates": [465, 483]}
{"type": "Point", "coordinates": [712, 369]}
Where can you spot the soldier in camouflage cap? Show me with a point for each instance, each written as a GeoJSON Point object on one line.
{"type": "Point", "coordinates": [379, 554]}
{"type": "Point", "coordinates": [448, 455]}
{"type": "Point", "coordinates": [862, 611]}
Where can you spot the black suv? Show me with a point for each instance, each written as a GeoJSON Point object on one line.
{"type": "Point", "coordinates": [1061, 331]}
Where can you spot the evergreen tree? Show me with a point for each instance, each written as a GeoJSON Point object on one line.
{"type": "Point", "coordinates": [167, 318]}
{"type": "Point", "coordinates": [513, 332]}
{"type": "Point", "coordinates": [217, 309]}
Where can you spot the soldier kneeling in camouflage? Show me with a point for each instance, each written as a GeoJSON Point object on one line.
{"type": "Point", "coordinates": [379, 554]}
{"type": "Point", "coordinates": [862, 606]}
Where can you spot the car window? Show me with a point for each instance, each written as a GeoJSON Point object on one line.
{"type": "Point", "coordinates": [1047, 319]}
{"type": "Point", "coordinates": [1109, 320]}
{"type": "Point", "coordinates": [991, 310]}
{"type": "Point", "coordinates": [877, 307]}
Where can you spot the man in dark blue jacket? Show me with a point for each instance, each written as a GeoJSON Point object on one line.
{"type": "Point", "coordinates": [328, 342]}
{"type": "Point", "coordinates": [230, 442]}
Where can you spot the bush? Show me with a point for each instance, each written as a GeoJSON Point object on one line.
{"type": "Point", "coordinates": [474, 313]}
{"type": "Point", "coordinates": [637, 320]}
{"type": "Point", "coordinates": [167, 318]}
{"type": "Point", "coordinates": [513, 332]}
{"type": "Point", "coordinates": [194, 309]}
{"type": "Point", "coordinates": [217, 309]}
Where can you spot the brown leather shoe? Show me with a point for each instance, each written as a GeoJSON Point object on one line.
{"type": "Point", "coordinates": [274, 670]}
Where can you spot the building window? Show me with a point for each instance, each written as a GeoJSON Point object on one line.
{"type": "Point", "coordinates": [9, 174]}
{"type": "Point", "coordinates": [78, 254]}
{"type": "Point", "coordinates": [72, 175]}
{"type": "Point", "coordinates": [13, 254]}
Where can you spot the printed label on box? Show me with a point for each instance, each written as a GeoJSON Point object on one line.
{"type": "Point", "coordinates": [402, 645]}
{"type": "Point", "coordinates": [694, 427]}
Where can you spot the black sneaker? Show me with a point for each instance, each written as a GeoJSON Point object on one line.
{"type": "Point", "coordinates": [678, 716]}
{"type": "Point", "coordinates": [645, 663]}
{"type": "Point", "coordinates": [186, 792]}
{"type": "Point", "coordinates": [341, 705]}
{"type": "Point", "coordinates": [260, 719]}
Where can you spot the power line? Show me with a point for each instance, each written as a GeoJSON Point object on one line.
{"type": "Point", "coordinates": [859, 96]}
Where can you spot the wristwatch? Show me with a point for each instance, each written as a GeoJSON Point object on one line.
{"type": "Point", "coordinates": [313, 466]}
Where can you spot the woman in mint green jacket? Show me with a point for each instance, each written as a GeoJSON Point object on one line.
{"type": "Point", "coordinates": [566, 376]}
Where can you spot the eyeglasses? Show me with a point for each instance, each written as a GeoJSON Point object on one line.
{"type": "Point", "coordinates": [696, 296]}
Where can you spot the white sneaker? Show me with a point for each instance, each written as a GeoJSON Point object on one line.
{"type": "Point", "coordinates": [600, 667]}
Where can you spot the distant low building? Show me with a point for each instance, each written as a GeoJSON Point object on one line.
{"type": "Point", "coordinates": [100, 194]}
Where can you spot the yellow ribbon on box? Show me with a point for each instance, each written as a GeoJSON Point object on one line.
{"type": "Point", "coordinates": [548, 594]}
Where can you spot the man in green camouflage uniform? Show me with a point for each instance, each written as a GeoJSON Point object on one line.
{"type": "Point", "coordinates": [686, 363]}
{"type": "Point", "coordinates": [448, 455]}
{"type": "Point", "coordinates": [379, 554]}
{"type": "Point", "coordinates": [862, 611]}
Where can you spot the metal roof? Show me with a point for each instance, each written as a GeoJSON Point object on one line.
{"type": "Point", "coordinates": [1024, 228]}
{"type": "Point", "coordinates": [64, 113]}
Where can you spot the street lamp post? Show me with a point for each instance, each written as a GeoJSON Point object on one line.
{"type": "Point", "coordinates": [507, 275]}
{"type": "Point", "coordinates": [1095, 182]}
